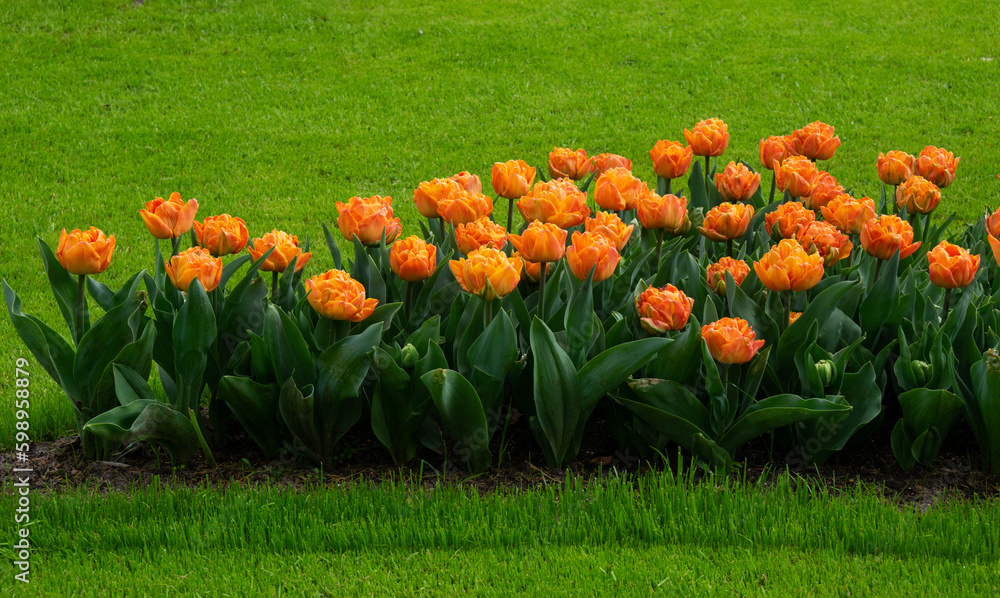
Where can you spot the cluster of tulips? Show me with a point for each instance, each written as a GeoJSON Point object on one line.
{"type": "Point", "coordinates": [585, 301]}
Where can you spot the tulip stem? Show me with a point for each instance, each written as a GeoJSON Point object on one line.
{"type": "Point", "coordinates": [787, 310]}
{"type": "Point", "coordinates": [774, 178]}
{"type": "Point", "coordinates": [81, 307]}
{"type": "Point", "coordinates": [944, 308]}
{"type": "Point", "coordinates": [488, 313]}
{"type": "Point", "coordinates": [706, 179]}
{"type": "Point", "coordinates": [659, 247]}
{"type": "Point", "coordinates": [510, 216]}
{"type": "Point", "coordinates": [541, 290]}
{"type": "Point", "coordinates": [878, 268]}
{"type": "Point", "coordinates": [409, 299]}
{"type": "Point", "coordinates": [176, 246]}
{"type": "Point", "coordinates": [668, 191]}
{"type": "Point", "coordinates": [729, 247]}
{"type": "Point", "coordinates": [274, 287]}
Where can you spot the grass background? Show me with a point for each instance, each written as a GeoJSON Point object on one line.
{"type": "Point", "coordinates": [273, 111]}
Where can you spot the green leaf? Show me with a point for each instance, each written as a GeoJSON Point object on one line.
{"type": "Point", "coordinates": [289, 352]}
{"type": "Point", "coordinates": [819, 311]}
{"type": "Point", "coordinates": [101, 344]}
{"type": "Point", "coordinates": [902, 446]}
{"type": "Point", "coordinates": [342, 369]}
{"type": "Point", "coordinates": [670, 409]}
{"type": "Point", "coordinates": [298, 410]}
{"type": "Point", "coordinates": [130, 386]}
{"type": "Point", "coordinates": [462, 415]}
{"type": "Point", "coordinates": [148, 421]}
{"type": "Point", "coordinates": [256, 407]}
{"type": "Point", "coordinates": [334, 250]}
{"type": "Point", "coordinates": [193, 334]}
{"type": "Point", "coordinates": [775, 412]}
{"type": "Point", "coordinates": [65, 288]}
{"type": "Point", "coordinates": [742, 306]}
{"type": "Point", "coordinates": [136, 357]}
{"type": "Point", "coordinates": [579, 321]}
{"type": "Point", "coordinates": [490, 359]}
{"type": "Point", "coordinates": [557, 391]}
{"type": "Point", "coordinates": [881, 301]}
{"type": "Point", "coordinates": [923, 409]}
{"type": "Point", "coordinates": [984, 410]}
{"type": "Point", "coordinates": [608, 370]}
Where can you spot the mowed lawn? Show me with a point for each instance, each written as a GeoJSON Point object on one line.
{"type": "Point", "coordinates": [273, 111]}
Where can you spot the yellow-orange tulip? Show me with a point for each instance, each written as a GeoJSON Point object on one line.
{"type": "Point", "coordinates": [731, 340]}
{"type": "Point", "coordinates": [427, 195]}
{"type": "Point", "coordinates": [937, 165]}
{"type": "Point", "coordinates": [171, 218]}
{"type": "Point", "coordinates": [789, 218]}
{"type": "Point", "coordinates": [993, 223]}
{"type": "Point", "coordinates": [85, 252]}
{"type": "Point", "coordinates": [795, 175]}
{"type": "Point", "coordinates": [918, 195]}
{"type": "Point", "coordinates": [882, 236]}
{"type": "Point", "coordinates": [671, 159]}
{"type": "Point", "coordinates": [775, 149]}
{"type": "Point", "coordinates": [565, 163]}
{"type": "Point", "coordinates": [894, 167]}
{"type": "Point", "coordinates": [413, 259]}
{"type": "Point", "coordinates": [816, 141]}
{"type": "Point", "coordinates": [848, 214]}
{"type": "Point", "coordinates": [589, 250]}
{"type": "Point", "coordinates": [663, 309]}
{"type": "Point", "coordinates": [612, 227]}
{"type": "Point", "coordinates": [464, 206]}
{"type": "Point", "coordinates": [560, 202]}
{"type": "Point", "coordinates": [824, 238]}
{"type": "Point", "coordinates": [995, 246]}
{"type": "Point", "coordinates": [736, 182]}
{"type": "Point", "coordinates": [481, 233]}
{"type": "Point", "coordinates": [951, 266]}
{"type": "Point", "coordinates": [336, 296]}
{"type": "Point", "coordinates": [716, 273]}
{"type": "Point", "coordinates": [727, 221]}
{"type": "Point", "coordinates": [618, 190]}
{"type": "Point", "coordinates": [710, 137]}
{"type": "Point", "coordinates": [468, 181]}
{"type": "Point", "coordinates": [502, 272]}
{"type": "Point", "coordinates": [668, 212]}
{"type": "Point", "coordinates": [540, 242]}
{"type": "Point", "coordinates": [787, 267]}
{"type": "Point", "coordinates": [512, 179]}
{"type": "Point", "coordinates": [368, 217]}
{"type": "Point", "coordinates": [191, 264]}
{"type": "Point", "coordinates": [605, 162]}
{"type": "Point", "coordinates": [222, 235]}
{"type": "Point", "coordinates": [286, 251]}
{"type": "Point", "coordinates": [824, 189]}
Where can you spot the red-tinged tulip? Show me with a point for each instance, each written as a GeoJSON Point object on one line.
{"type": "Point", "coordinates": [85, 252]}
{"type": "Point", "coordinates": [336, 296]}
{"type": "Point", "coordinates": [464, 207]}
{"type": "Point", "coordinates": [565, 163]}
{"type": "Point", "coordinates": [937, 165]}
{"type": "Point", "coordinates": [894, 167]}
{"type": "Point", "coordinates": [883, 236]}
{"type": "Point", "coordinates": [663, 309]}
{"type": "Point", "coordinates": [716, 273]}
{"type": "Point", "coordinates": [512, 179]}
{"type": "Point", "coordinates": [816, 141]}
{"type": "Point", "coordinates": [427, 195]}
{"type": "Point", "coordinates": [710, 137]}
{"type": "Point", "coordinates": [589, 250]}
{"type": "Point", "coordinates": [918, 195]}
{"type": "Point", "coordinates": [413, 259]}
{"type": "Point", "coordinates": [468, 181]}
{"type": "Point", "coordinates": [618, 190]}
{"type": "Point", "coordinates": [368, 218]}
{"type": "Point", "coordinates": [286, 251]}
{"type": "Point", "coordinates": [611, 227]}
{"type": "Point", "coordinates": [727, 221]}
{"type": "Point", "coordinates": [795, 175]}
{"type": "Point", "coordinates": [222, 235]}
{"type": "Point", "coordinates": [788, 218]}
{"type": "Point", "coordinates": [671, 159]}
{"type": "Point", "coordinates": [481, 233]}
{"type": "Point", "coordinates": [951, 266]}
{"type": "Point", "coordinates": [540, 242]}
{"type": "Point", "coordinates": [824, 238]}
{"type": "Point", "coordinates": [787, 267]}
{"type": "Point", "coordinates": [995, 246]}
{"type": "Point", "coordinates": [485, 264]}
{"type": "Point", "coordinates": [824, 189]}
{"type": "Point", "coordinates": [775, 149]}
{"type": "Point", "coordinates": [533, 270]}
{"type": "Point", "coordinates": [993, 223]}
{"type": "Point", "coordinates": [194, 263]}
{"type": "Point", "coordinates": [849, 214]}
{"type": "Point", "coordinates": [605, 162]}
{"type": "Point", "coordinates": [668, 212]}
{"type": "Point", "coordinates": [560, 202]}
{"type": "Point", "coordinates": [171, 218]}
{"type": "Point", "coordinates": [736, 182]}
{"type": "Point", "coordinates": [731, 340]}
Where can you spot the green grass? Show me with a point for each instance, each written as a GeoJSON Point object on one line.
{"type": "Point", "coordinates": [657, 534]}
{"type": "Point", "coordinates": [274, 111]}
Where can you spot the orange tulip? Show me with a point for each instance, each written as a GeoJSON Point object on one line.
{"type": "Point", "coordinates": [502, 272]}
{"type": "Point", "coordinates": [824, 189]}
{"type": "Point", "coordinates": [565, 163]}
{"type": "Point", "coordinates": [787, 267]}
{"type": "Point", "coordinates": [481, 233]}
{"type": "Point", "coordinates": [789, 217]}
{"type": "Point", "coordinates": [816, 141]}
{"type": "Point", "coordinates": [191, 264]}
{"type": "Point", "coordinates": [540, 242]}
{"type": "Point", "coordinates": [795, 175]}
{"type": "Point", "coordinates": [824, 238]}
{"type": "Point", "coordinates": [464, 207]}
{"type": "Point", "coordinates": [605, 162]}
{"type": "Point", "coordinates": [951, 266]}
{"type": "Point", "coordinates": [534, 269]}
{"type": "Point", "coordinates": [894, 167]}
{"type": "Point", "coordinates": [727, 221]}
{"type": "Point", "coordinates": [848, 214]}
{"type": "Point", "coordinates": [671, 160]}
{"type": "Point", "coordinates": [995, 246]}
{"type": "Point", "coordinates": [589, 250]}
{"type": "Point", "coordinates": [468, 181]}
{"type": "Point", "coordinates": [775, 149]}
{"type": "Point", "coordinates": [368, 218]}
{"type": "Point", "coordinates": [668, 212]}
{"type": "Point", "coordinates": [937, 165]}
{"type": "Point", "coordinates": [611, 227]}
{"type": "Point", "coordinates": [993, 223]}
{"type": "Point", "coordinates": [716, 273]}
{"type": "Point", "coordinates": [336, 296]}
{"type": "Point", "coordinates": [618, 190]}
{"type": "Point", "coordinates": [792, 316]}
{"type": "Point", "coordinates": [663, 309]}
{"type": "Point", "coordinates": [85, 252]}
{"type": "Point", "coordinates": [731, 340]}
{"type": "Point", "coordinates": [286, 251]}
{"type": "Point", "coordinates": [512, 179]}
{"type": "Point", "coordinates": [427, 195]}
{"type": "Point", "coordinates": [709, 138]}
{"type": "Point", "coordinates": [222, 235]}
{"type": "Point", "coordinates": [559, 202]}
{"type": "Point", "coordinates": [736, 182]}
{"type": "Point", "coordinates": [169, 219]}
{"type": "Point", "coordinates": [882, 236]}
{"type": "Point", "coordinates": [413, 259]}
{"type": "Point", "coordinates": [918, 195]}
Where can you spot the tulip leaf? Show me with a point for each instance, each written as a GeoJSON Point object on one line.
{"type": "Point", "coordinates": [65, 288]}
{"type": "Point", "coordinates": [148, 421]}
{"type": "Point", "coordinates": [399, 406]}
{"type": "Point", "coordinates": [670, 409]}
{"type": "Point", "coordinates": [609, 369]}
{"type": "Point", "coordinates": [557, 391]}
{"type": "Point", "coordinates": [256, 407]}
{"type": "Point", "coordinates": [102, 343]}
{"type": "Point", "coordinates": [230, 269]}
{"type": "Point", "coordinates": [136, 357]}
{"type": "Point", "coordinates": [775, 412]}
{"type": "Point", "coordinates": [696, 186]}
{"type": "Point", "coordinates": [924, 408]}
{"type": "Point", "coordinates": [334, 250]}
{"type": "Point", "coordinates": [298, 410]}
{"type": "Point", "coordinates": [103, 294]}
{"type": "Point", "coordinates": [242, 315]}
{"type": "Point", "coordinates": [428, 331]}
{"type": "Point", "coordinates": [579, 321]}
{"type": "Point", "coordinates": [421, 306]}
{"type": "Point", "coordinates": [983, 408]}
{"type": "Point", "coordinates": [130, 386]}
{"type": "Point", "coordinates": [490, 359]}
{"type": "Point", "coordinates": [819, 311]}
{"type": "Point", "coordinates": [742, 306]}
{"type": "Point", "coordinates": [383, 315]}
{"type": "Point", "coordinates": [193, 333]}
{"type": "Point", "coordinates": [902, 446]}
{"type": "Point", "coordinates": [366, 271]}
{"type": "Point", "coordinates": [880, 302]}
{"type": "Point", "coordinates": [289, 352]}
{"type": "Point", "coordinates": [463, 417]}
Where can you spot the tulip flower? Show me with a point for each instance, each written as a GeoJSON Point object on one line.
{"type": "Point", "coordinates": [368, 218]}
{"type": "Point", "coordinates": [559, 202]}
{"type": "Point", "coordinates": [824, 238]}
{"type": "Point", "coordinates": [709, 138]}
{"type": "Point", "coordinates": [795, 175]}
{"type": "Point", "coordinates": [716, 274]}
{"type": "Point", "coordinates": [727, 221]}
{"type": "Point", "coordinates": [480, 233]}
{"type": "Point", "coordinates": [169, 219]}
{"type": "Point", "coordinates": [816, 141]}
{"type": "Point", "coordinates": [671, 160]}
{"type": "Point", "coordinates": [588, 250]}
{"type": "Point", "coordinates": [666, 212]}
{"type": "Point", "coordinates": [336, 296]}
{"type": "Point", "coordinates": [788, 218]}
{"type": "Point", "coordinates": [565, 163]}
{"type": "Point", "coordinates": [993, 223]}
{"type": "Point", "coordinates": [427, 195]}
{"type": "Point", "coordinates": [85, 252]}
{"type": "Point", "coordinates": [883, 236]}
{"type": "Point", "coordinates": [412, 259]}
{"type": "Point", "coordinates": [468, 181]}
{"type": "Point", "coordinates": [611, 227]}
{"type": "Point", "coordinates": [937, 165]}
{"type": "Point", "coordinates": [849, 214]}
{"type": "Point", "coordinates": [995, 246]}
{"type": "Point", "coordinates": [737, 183]}
{"type": "Point", "coordinates": [540, 242]}
{"type": "Point", "coordinates": [918, 195]}
{"type": "Point", "coordinates": [605, 162]}
{"type": "Point", "coordinates": [787, 267]}
{"type": "Point", "coordinates": [731, 340]}
{"type": "Point", "coordinates": [511, 180]}
{"type": "Point", "coordinates": [775, 149]}
{"type": "Point", "coordinates": [951, 267]}
{"type": "Point", "coordinates": [286, 251]}
{"type": "Point", "coordinates": [487, 264]}
{"type": "Point", "coordinates": [618, 190]}
{"type": "Point", "coordinates": [894, 167]}
{"type": "Point", "coordinates": [194, 263]}
{"type": "Point", "coordinates": [222, 235]}
{"type": "Point", "coordinates": [663, 309]}
{"type": "Point", "coordinates": [824, 189]}
{"type": "Point", "coordinates": [464, 207]}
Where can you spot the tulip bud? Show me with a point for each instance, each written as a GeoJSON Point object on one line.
{"type": "Point", "coordinates": [410, 356]}
{"type": "Point", "coordinates": [825, 369]}
{"type": "Point", "coordinates": [921, 371]}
